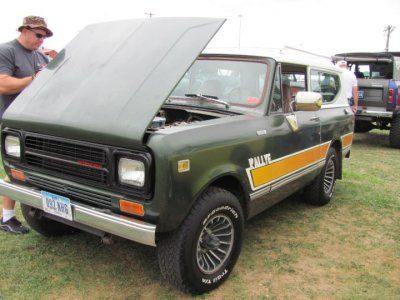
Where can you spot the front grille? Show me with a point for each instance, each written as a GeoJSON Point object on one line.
{"type": "Point", "coordinates": [68, 158]}
{"type": "Point", "coordinates": [74, 193]}
{"type": "Point", "coordinates": [67, 149]}
{"type": "Point", "coordinates": [66, 167]}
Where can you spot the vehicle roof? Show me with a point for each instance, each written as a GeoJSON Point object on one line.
{"type": "Point", "coordinates": [280, 55]}
{"type": "Point", "coordinates": [375, 56]}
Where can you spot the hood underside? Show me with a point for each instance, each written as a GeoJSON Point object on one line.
{"type": "Point", "coordinates": [109, 82]}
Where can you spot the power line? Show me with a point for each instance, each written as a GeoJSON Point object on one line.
{"type": "Point", "coordinates": [240, 16]}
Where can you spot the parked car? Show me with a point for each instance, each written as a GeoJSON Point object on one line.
{"type": "Point", "coordinates": [159, 142]}
{"type": "Point", "coordinates": [378, 76]}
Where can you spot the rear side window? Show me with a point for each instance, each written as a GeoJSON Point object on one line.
{"type": "Point", "coordinates": [327, 84]}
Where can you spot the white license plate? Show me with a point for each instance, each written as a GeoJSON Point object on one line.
{"type": "Point", "coordinates": [57, 205]}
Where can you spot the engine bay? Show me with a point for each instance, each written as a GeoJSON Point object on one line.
{"type": "Point", "coordinates": [169, 117]}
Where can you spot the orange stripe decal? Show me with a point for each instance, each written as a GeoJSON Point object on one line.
{"type": "Point", "coordinates": [347, 140]}
{"type": "Point", "coordinates": [286, 166]}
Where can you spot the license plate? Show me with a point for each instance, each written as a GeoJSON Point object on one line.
{"type": "Point", "coordinates": [360, 94]}
{"type": "Point", "coordinates": [57, 205]}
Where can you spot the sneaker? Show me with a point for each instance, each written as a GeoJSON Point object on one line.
{"type": "Point", "coordinates": [13, 226]}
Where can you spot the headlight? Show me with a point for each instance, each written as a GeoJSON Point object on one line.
{"type": "Point", "coordinates": [12, 146]}
{"type": "Point", "coordinates": [131, 172]}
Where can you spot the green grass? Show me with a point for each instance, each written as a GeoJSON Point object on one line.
{"type": "Point", "coordinates": [348, 249]}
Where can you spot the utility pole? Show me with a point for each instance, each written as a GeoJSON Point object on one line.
{"type": "Point", "coordinates": [388, 30]}
{"type": "Point", "coordinates": [150, 14]}
{"type": "Point", "coordinates": [240, 16]}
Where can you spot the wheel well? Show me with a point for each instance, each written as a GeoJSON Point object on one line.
{"type": "Point", "coordinates": [338, 146]}
{"type": "Point", "coordinates": [233, 185]}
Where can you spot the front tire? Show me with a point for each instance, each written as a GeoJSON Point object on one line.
{"type": "Point", "coordinates": [49, 228]}
{"type": "Point", "coordinates": [320, 191]}
{"type": "Point", "coordinates": [394, 135]}
{"type": "Point", "coordinates": [202, 252]}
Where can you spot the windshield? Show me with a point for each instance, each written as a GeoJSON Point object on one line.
{"type": "Point", "coordinates": [237, 84]}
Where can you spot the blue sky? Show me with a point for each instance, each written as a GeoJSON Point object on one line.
{"type": "Point", "coordinates": [325, 27]}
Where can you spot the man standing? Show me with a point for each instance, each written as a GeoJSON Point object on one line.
{"type": "Point", "coordinates": [350, 85]}
{"type": "Point", "coordinates": [20, 61]}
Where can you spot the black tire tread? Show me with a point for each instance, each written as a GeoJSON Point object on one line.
{"type": "Point", "coordinates": [314, 192]}
{"type": "Point", "coordinates": [394, 135]}
{"type": "Point", "coordinates": [171, 243]}
{"type": "Point", "coordinates": [363, 126]}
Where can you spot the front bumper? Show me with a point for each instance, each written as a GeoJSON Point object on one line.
{"type": "Point", "coordinates": [102, 220]}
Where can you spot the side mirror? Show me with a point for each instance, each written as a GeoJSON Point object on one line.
{"type": "Point", "coordinates": [308, 101]}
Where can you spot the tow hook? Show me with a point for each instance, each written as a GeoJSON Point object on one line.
{"type": "Point", "coordinates": [107, 239]}
{"type": "Point", "coordinates": [35, 213]}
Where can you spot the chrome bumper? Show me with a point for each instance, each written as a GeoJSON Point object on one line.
{"type": "Point", "coordinates": [102, 220]}
{"type": "Point", "coordinates": [374, 113]}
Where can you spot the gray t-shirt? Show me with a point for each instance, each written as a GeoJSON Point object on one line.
{"type": "Point", "coordinates": [19, 62]}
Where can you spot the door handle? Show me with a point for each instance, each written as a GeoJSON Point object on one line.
{"type": "Point", "coordinates": [315, 119]}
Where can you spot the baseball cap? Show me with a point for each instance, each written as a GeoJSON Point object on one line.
{"type": "Point", "coordinates": [33, 22]}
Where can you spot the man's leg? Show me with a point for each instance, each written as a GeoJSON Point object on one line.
{"type": "Point", "coordinates": [8, 203]}
{"type": "Point", "coordinates": [9, 222]}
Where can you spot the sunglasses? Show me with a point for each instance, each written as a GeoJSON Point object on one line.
{"type": "Point", "coordinates": [38, 35]}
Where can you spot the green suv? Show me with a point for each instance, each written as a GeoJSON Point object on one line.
{"type": "Point", "coordinates": [135, 131]}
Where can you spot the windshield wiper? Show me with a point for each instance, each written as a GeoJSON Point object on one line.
{"type": "Point", "coordinates": [208, 98]}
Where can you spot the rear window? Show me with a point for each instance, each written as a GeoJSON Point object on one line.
{"type": "Point", "coordinates": [372, 70]}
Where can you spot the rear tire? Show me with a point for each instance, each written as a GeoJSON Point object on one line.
{"type": "Point", "coordinates": [320, 191]}
{"type": "Point", "coordinates": [363, 126]}
{"type": "Point", "coordinates": [201, 253]}
{"type": "Point", "coordinates": [49, 228]}
{"type": "Point", "coordinates": [394, 136]}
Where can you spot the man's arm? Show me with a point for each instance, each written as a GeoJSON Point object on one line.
{"type": "Point", "coordinates": [10, 85]}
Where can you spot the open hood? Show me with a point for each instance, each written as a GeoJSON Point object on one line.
{"type": "Point", "coordinates": [108, 84]}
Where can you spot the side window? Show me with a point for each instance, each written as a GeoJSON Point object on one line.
{"type": "Point", "coordinates": [326, 84]}
{"type": "Point", "coordinates": [276, 103]}
{"type": "Point", "coordinates": [296, 80]}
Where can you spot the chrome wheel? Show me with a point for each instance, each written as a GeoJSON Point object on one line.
{"type": "Point", "coordinates": [320, 191]}
{"type": "Point", "coordinates": [329, 178]}
{"type": "Point", "coordinates": [215, 243]}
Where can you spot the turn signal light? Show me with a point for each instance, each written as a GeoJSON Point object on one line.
{"type": "Point", "coordinates": [131, 207]}
{"type": "Point", "coordinates": [390, 96]}
{"type": "Point", "coordinates": [18, 174]}
{"type": "Point", "coordinates": [398, 97]}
